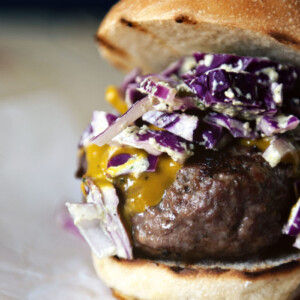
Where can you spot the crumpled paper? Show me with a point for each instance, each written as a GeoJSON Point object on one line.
{"type": "Point", "coordinates": [38, 259]}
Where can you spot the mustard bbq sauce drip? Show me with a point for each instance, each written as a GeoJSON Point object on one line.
{"type": "Point", "coordinates": [136, 193]}
{"type": "Point", "coordinates": [263, 143]}
{"type": "Point", "coordinates": [114, 99]}
{"type": "Point", "coordinates": [149, 188]}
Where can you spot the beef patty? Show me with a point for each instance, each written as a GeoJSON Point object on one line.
{"type": "Point", "coordinates": [222, 204]}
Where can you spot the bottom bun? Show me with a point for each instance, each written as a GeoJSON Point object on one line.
{"type": "Point", "coordinates": [143, 279]}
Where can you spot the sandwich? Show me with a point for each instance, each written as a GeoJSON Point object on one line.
{"type": "Point", "coordinates": [191, 185]}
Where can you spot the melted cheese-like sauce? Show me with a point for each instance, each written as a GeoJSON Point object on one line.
{"type": "Point", "coordinates": [112, 96]}
{"type": "Point", "coordinates": [149, 188]}
{"type": "Point", "coordinates": [137, 193]}
{"type": "Point", "coordinates": [263, 143]}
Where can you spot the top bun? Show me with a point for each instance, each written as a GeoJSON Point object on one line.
{"type": "Point", "coordinates": [150, 34]}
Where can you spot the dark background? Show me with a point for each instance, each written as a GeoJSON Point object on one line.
{"type": "Point", "coordinates": [93, 7]}
{"type": "Point", "coordinates": [57, 4]}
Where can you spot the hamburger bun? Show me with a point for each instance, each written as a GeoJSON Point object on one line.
{"type": "Point", "coordinates": [150, 35]}
{"type": "Point", "coordinates": [155, 280]}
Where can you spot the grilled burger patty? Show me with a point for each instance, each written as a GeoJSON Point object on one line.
{"type": "Point", "coordinates": [222, 203]}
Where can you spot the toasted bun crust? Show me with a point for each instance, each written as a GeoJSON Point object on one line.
{"type": "Point", "coordinates": [145, 280]}
{"type": "Point", "coordinates": [151, 34]}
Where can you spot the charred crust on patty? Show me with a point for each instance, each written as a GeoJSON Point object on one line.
{"type": "Point", "coordinates": [217, 186]}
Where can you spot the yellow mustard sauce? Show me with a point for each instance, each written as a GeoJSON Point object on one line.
{"type": "Point", "coordinates": [138, 193]}
{"type": "Point", "coordinates": [153, 127]}
{"type": "Point", "coordinates": [112, 96]}
{"type": "Point", "coordinates": [263, 143]}
{"type": "Point", "coordinates": [148, 189]}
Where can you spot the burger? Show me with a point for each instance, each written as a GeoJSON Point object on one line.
{"type": "Point", "coordinates": [191, 186]}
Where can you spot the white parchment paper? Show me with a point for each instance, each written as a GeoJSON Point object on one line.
{"type": "Point", "coordinates": [51, 78]}
{"type": "Point", "coordinates": [39, 260]}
